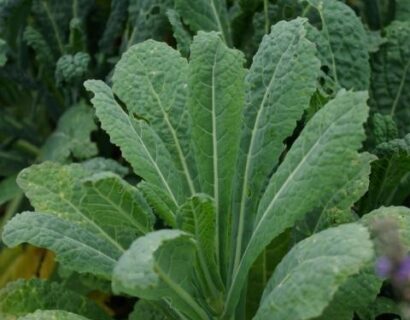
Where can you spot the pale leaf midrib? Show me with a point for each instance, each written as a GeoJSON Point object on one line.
{"type": "Point", "coordinates": [180, 292]}
{"type": "Point", "coordinates": [249, 155]}
{"type": "Point", "coordinates": [146, 151]}
{"type": "Point", "coordinates": [218, 21]}
{"type": "Point", "coordinates": [400, 90]}
{"type": "Point", "coordinates": [255, 230]}
{"type": "Point", "coordinates": [172, 130]}
{"type": "Point", "coordinates": [59, 235]}
{"type": "Point", "coordinates": [124, 214]}
{"type": "Point", "coordinates": [80, 213]}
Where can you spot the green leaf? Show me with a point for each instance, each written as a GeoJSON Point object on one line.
{"type": "Point", "coordinates": [181, 35]}
{"type": "Point", "coordinates": [114, 26]}
{"type": "Point", "coordinates": [197, 217]}
{"type": "Point", "coordinates": [8, 189]}
{"type": "Point", "coordinates": [337, 208]}
{"type": "Point", "coordinates": [391, 76]}
{"type": "Point", "coordinates": [76, 247]}
{"type": "Point", "coordinates": [402, 10]}
{"type": "Point", "coordinates": [360, 291]}
{"type": "Point", "coordinates": [342, 44]}
{"type": "Point", "coordinates": [380, 306]}
{"type": "Point", "coordinates": [139, 143]}
{"type": "Point", "coordinates": [107, 195]}
{"type": "Point", "coordinates": [387, 172]}
{"type": "Point", "coordinates": [216, 86]}
{"type": "Point", "coordinates": [26, 296]}
{"type": "Point", "coordinates": [401, 215]}
{"type": "Point", "coordinates": [328, 142]}
{"type": "Point", "coordinates": [152, 310]}
{"type": "Point", "coordinates": [82, 216]}
{"type": "Point", "coordinates": [151, 79]}
{"type": "Point", "coordinates": [72, 136]}
{"type": "Point", "coordinates": [382, 128]}
{"type": "Point", "coordinates": [44, 53]}
{"type": "Point", "coordinates": [3, 51]}
{"type": "Point", "coordinates": [308, 277]}
{"type": "Point", "coordinates": [148, 20]}
{"type": "Point", "coordinates": [206, 15]}
{"type": "Point", "coordinates": [160, 265]}
{"type": "Point", "coordinates": [160, 202]}
{"type": "Point", "coordinates": [69, 192]}
{"type": "Point", "coordinates": [97, 165]}
{"type": "Point", "coordinates": [52, 315]}
{"type": "Point", "coordinates": [72, 69]}
{"type": "Point", "coordinates": [357, 293]}
{"type": "Point", "coordinates": [263, 268]}
{"type": "Point", "coordinates": [260, 27]}
{"type": "Point", "coordinates": [279, 86]}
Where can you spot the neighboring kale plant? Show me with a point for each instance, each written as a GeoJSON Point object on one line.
{"type": "Point", "coordinates": [47, 49]}
{"type": "Point", "coordinates": [207, 138]}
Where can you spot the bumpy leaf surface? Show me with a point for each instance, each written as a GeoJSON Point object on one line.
{"type": "Point", "coordinates": [88, 219]}
{"type": "Point", "coordinates": [152, 310]}
{"type": "Point", "coordinates": [148, 19]}
{"type": "Point", "coordinates": [279, 85]}
{"type": "Point", "coordinates": [341, 44]}
{"type": "Point", "coordinates": [206, 15]}
{"type": "Point", "coordinates": [72, 136]}
{"type": "Point", "coordinates": [197, 217]}
{"type": "Point", "coordinates": [181, 35]}
{"type": "Point", "coordinates": [151, 79]}
{"type": "Point", "coordinates": [216, 86]}
{"type": "Point", "coordinates": [388, 171]}
{"type": "Point", "coordinates": [160, 265]}
{"type": "Point", "coordinates": [139, 143]}
{"type": "Point", "coordinates": [310, 274]}
{"type": "Point", "coordinates": [26, 296]}
{"type": "Point", "coordinates": [400, 215]}
{"type": "Point", "coordinates": [391, 76]}
{"type": "Point", "coordinates": [357, 293]}
{"type": "Point", "coordinates": [317, 158]}
{"type": "Point", "coordinates": [52, 315]}
{"type": "Point", "coordinates": [336, 209]}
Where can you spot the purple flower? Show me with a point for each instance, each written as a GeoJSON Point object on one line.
{"type": "Point", "coordinates": [384, 267]}
{"type": "Point", "coordinates": [403, 271]}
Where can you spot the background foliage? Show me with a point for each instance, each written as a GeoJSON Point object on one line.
{"type": "Point", "coordinates": [48, 48]}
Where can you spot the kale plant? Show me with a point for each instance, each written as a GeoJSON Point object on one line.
{"type": "Point", "coordinates": [210, 230]}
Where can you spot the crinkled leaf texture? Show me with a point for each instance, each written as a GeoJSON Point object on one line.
{"type": "Point", "coordinates": [148, 19]}
{"type": "Point", "coordinates": [216, 98]}
{"type": "Point", "coordinates": [181, 35]}
{"type": "Point", "coordinates": [141, 146]}
{"type": "Point", "coordinates": [317, 157]}
{"type": "Point", "coordinates": [359, 293]}
{"type": "Point", "coordinates": [52, 315]}
{"type": "Point", "coordinates": [388, 178]}
{"type": "Point", "coordinates": [22, 297]}
{"type": "Point", "coordinates": [72, 136]}
{"type": "Point", "coordinates": [206, 15]}
{"type": "Point", "coordinates": [152, 310]}
{"type": "Point", "coordinates": [151, 79]}
{"type": "Point", "coordinates": [161, 265]}
{"type": "Point", "coordinates": [342, 44]}
{"type": "Point", "coordinates": [391, 76]}
{"type": "Point", "coordinates": [279, 85]}
{"type": "Point", "coordinates": [88, 218]}
{"type": "Point", "coordinates": [183, 126]}
{"type": "Point", "coordinates": [310, 274]}
{"type": "Point", "coordinates": [197, 217]}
